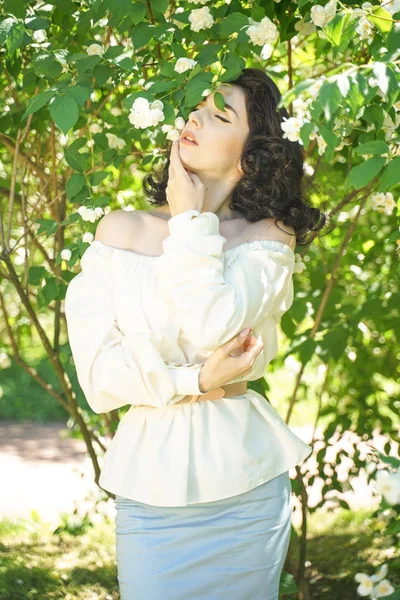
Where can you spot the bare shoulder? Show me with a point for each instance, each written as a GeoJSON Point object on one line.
{"type": "Point", "coordinates": [119, 227]}
{"type": "Point", "coordinates": [267, 229]}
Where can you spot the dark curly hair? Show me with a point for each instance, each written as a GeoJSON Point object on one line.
{"type": "Point", "coordinates": [272, 184]}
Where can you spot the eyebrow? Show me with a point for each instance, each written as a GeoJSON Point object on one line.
{"type": "Point", "coordinates": [226, 105]}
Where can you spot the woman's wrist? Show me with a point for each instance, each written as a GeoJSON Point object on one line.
{"type": "Point", "coordinates": [203, 382]}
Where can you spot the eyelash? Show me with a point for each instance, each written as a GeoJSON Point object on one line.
{"type": "Point", "coordinates": [218, 117]}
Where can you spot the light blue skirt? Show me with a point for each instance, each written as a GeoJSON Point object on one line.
{"type": "Point", "coordinates": [231, 548]}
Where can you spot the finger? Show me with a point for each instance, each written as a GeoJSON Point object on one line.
{"type": "Point", "coordinates": [232, 344]}
{"type": "Point", "coordinates": [177, 163]}
{"type": "Point", "coordinates": [253, 351]}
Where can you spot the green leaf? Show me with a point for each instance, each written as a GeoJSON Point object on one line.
{"type": "Point", "coordinates": [393, 38]}
{"type": "Point", "coordinates": [381, 18]}
{"type": "Point", "coordinates": [47, 226]}
{"type": "Point", "coordinates": [305, 132]}
{"type": "Point", "coordinates": [37, 102]}
{"type": "Point", "coordinates": [234, 66]}
{"type": "Point", "coordinates": [137, 12]}
{"type": "Point", "coordinates": [195, 87]}
{"type": "Point", "coordinates": [208, 54]}
{"type": "Point", "coordinates": [74, 185]}
{"type": "Point", "coordinates": [232, 23]}
{"type": "Point", "coordinates": [334, 342]}
{"type": "Point", "coordinates": [160, 5]}
{"type": "Point", "coordinates": [390, 175]}
{"type": "Point", "coordinates": [361, 175]}
{"type": "Point", "coordinates": [373, 147]}
{"type": "Point", "coordinates": [15, 37]}
{"type": "Point", "coordinates": [98, 177]}
{"type": "Point", "coordinates": [387, 80]}
{"type": "Point", "coordinates": [329, 97]}
{"type": "Point", "coordinates": [306, 350]}
{"type": "Point", "coordinates": [87, 63]}
{"type": "Point", "coordinates": [287, 584]}
{"type": "Point", "coordinates": [50, 290]}
{"type": "Point", "coordinates": [66, 7]}
{"type": "Point", "coordinates": [219, 101]}
{"type": "Point", "coordinates": [74, 159]}
{"type": "Point", "coordinates": [79, 93]}
{"type": "Point", "coordinates": [15, 7]}
{"type": "Point", "coordinates": [45, 64]}
{"type": "Point", "coordinates": [65, 112]}
{"type": "Point", "coordinates": [103, 72]}
{"type": "Point", "coordinates": [329, 137]}
{"type": "Point", "coordinates": [5, 27]}
{"type": "Point", "coordinates": [142, 34]}
{"type": "Point", "coordinates": [36, 23]}
{"type": "Point", "coordinates": [334, 29]}
{"type": "Point", "coordinates": [36, 274]}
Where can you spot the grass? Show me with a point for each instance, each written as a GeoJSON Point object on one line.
{"type": "Point", "coordinates": [36, 563]}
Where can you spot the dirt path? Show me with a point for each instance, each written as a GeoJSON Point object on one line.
{"type": "Point", "coordinates": [43, 470]}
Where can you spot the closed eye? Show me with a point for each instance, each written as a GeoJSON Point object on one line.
{"type": "Point", "coordinates": [218, 117]}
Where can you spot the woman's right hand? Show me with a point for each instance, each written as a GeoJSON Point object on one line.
{"type": "Point", "coordinates": [232, 360]}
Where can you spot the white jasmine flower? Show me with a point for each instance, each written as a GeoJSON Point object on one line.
{"type": "Point", "coordinates": [157, 115]}
{"type": "Point", "coordinates": [367, 6]}
{"type": "Point", "coordinates": [384, 588]}
{"type": "Point", "coordinates": [364, 29]}
{"type": "Point", "coordinates": [180, 123]}
{"type": "Point", "coordinates": [393, 6]}
{"type": "Point", "coordinates": [383, 202]}
{"type": "Point", "coordinates": [201, 18]}
{"type": "Point", "coordinates": [94, 49]}
{"type": "Point", "coordinates": [173, 135]}
{"type": "Point", "coordinates": [299, 265]}
{"type": "Point", "coordinates": [142, 115]}
{"type": "Point", "coordinates": [388, 485]}
{"type": "Point", "coordinates": [263, 32]}
{"type": "Point", "coordinates": [99, 211]}
{"type": "Point", "coordinates": [114, 141]}
{"type": "Point", "coordinates": [370, 468]}
{"type": "Point", "coordinates": [141, 104]}
{"type": "Point", "coordinates": [321, 145]}
{"type": "Point", "coordinates": [305, 28]}
{"type": "Point", "coordinates": [266, 51]}
{"type": "Point", "coordinates": [66, 254]}
{"type": "Point", "coordinates": [184, 64]}
{"type": "Point", "coordinates": [157, 104]}
{"type": "Point", "coordinates": [291, 127]}
{"type": "Point", "coordinates": [87, 237]}
{"type": "Point", "coordinates": [366, 584]}
{"type": "Point", "coordinates": [322, 15]}
{"type": "Point", "coordinates": [308, 169]}
{"type": "Point", "coordinates": [381, 573]}
{"type": "Point", "coordinates": [87, 214]}
{"type": "Point", "coordinates": [5, 361]}
{"type": "Point", "coordinates": [95, 128]}
{"type": "Point", "coordinates": [39, 35]}
{"type": "Point", "coordinates": [116, 112]}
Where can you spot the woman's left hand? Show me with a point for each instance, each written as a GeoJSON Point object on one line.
{"type": "Point", "coordinates": [185, 190]}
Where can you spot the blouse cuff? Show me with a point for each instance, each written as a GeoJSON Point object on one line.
{"type": "Point", "coordinates": [186, 380]}
{"type": "Point", "coordinates": [193, 223]}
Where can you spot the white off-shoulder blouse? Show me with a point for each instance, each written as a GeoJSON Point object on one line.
{"type": "Point", "coordinates": [140, 327]}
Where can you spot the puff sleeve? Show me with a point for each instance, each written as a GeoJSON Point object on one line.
{"type": "Point", "coordinates": [216, 298]}
{"type": "Point", "coordinates": [114, 370]}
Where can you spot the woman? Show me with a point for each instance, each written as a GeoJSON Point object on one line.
{"type": "Point", "coordinates": [199, 463]}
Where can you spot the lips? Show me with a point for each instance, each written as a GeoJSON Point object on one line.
{"type": "Point", "coordinates": [186, 133]}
